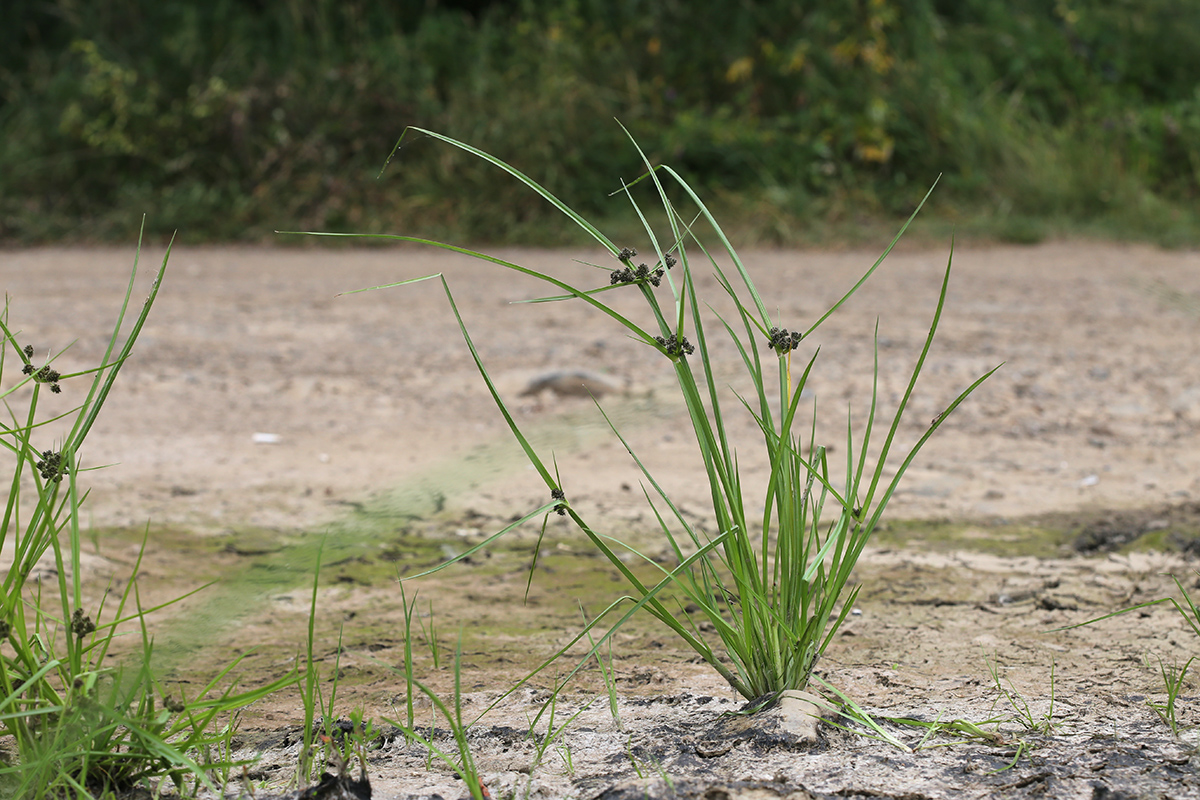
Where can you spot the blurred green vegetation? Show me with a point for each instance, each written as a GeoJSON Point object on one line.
{"type": "Point", "coordinates": [228, 119]}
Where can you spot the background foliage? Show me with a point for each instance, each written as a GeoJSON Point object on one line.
{"type": "Point", "coordinates": [230, 119]}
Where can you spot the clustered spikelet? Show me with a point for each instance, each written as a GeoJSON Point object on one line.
{"type": "Point", "coordinates": [43, 375]}
{"type": "Point", "coordinates": [641, 273]}
{"type": "Point", "coordinates": [676, 346]}
{"type": "Point", "coordinates": [81, 624]}
{"type": "Point", "coordinates": [784, 341]}
{"type": "Point", "coordinates": [559, 494]}
{"type": "Point", "coordinates": [51, 466]}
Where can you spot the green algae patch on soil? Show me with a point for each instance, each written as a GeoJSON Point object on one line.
{"type": "Point", "coordinates": [999, 537]}
{"type": "Point", "coordinates": [1090, 531]}
{"type": "Point", "coordinates": [259, 602]}
{"type": "Point", "coordinates": [1174, 526]}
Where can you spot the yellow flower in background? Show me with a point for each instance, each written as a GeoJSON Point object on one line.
{"type": "Point", "coordinates": [875, 153]}
{"type": "Point", "coordinates": [740, 70]}
{"type": "Point", "coordinates": [796, 63]}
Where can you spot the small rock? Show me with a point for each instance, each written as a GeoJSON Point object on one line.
{"type": "Point", "coordinates": [1186, 405]}
{"type": "Point", "coordinates": [798, 713]}
{"type": "Point", "coordinates": [573, 383]}
{"type": "Point", "coordinates": [790, 722]}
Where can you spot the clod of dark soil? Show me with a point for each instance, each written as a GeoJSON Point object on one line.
{"type": "Point", "coordinates": [1177, 526]}
{"type": "Point", "coordinates": [329, 787]}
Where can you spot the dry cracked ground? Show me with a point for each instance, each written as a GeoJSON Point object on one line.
{"type": "Point", "coordinates": [262, 415]}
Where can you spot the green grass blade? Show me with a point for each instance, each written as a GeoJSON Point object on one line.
{"type": "Point", "coordinates": [592, 230]}
{"type": "Point", "coordinates": [537, 512]}
{"type": "Point", "coordinates": [878, 261]}
{"type": "Point", "coordinates": [582, 294]}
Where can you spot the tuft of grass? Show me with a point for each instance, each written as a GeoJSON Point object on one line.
{"type": "Point", "coordinates": [1174, 680]}
{"type": "Point", "coordinates": [83, 720]}
{"type": "Point", "coordinates": [542, 743]}
{"type": "Point", "coordinates": [776, 584]}
{"type": "Point", "coordinates": [461, 761]}
{"type": "Point", "coordinates": [328, 740]}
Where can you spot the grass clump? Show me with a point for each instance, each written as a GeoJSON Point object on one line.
{"type": "Point", "coordinates": [774, 584]}
{"type": "Point", "coordinates": [83, 721]}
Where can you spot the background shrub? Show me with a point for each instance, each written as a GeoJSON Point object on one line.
{"type": "Point", "coordinates": [230, 119]}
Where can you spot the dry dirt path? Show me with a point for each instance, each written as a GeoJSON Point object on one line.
{"type": "Point", "coordinates": [1098, 402]}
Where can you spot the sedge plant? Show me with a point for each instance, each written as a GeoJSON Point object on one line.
{"type": "Point", "coordinates": [775, 584]}
{"type": "Point", "coordinates": [81, 719]}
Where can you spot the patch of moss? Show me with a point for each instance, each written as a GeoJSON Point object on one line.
{"type": "Point", "coordinates": [1000, 537]}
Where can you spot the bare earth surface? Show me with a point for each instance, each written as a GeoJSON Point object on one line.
{"type": "Point", "coordinates": [260, 411]}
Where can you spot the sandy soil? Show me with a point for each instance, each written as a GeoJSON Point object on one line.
{"type": "Point", "coordinates": [1097, 404]}
{"type": "Point", "coordinates": [258, 405]}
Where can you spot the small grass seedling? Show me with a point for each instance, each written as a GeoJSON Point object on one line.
{"type": "Point", "coordinates": [311, 694]}
{"type": "Point", "coordinates": [429, 634]}
{"type": "Point", "coordinates": [1022, 714]}
{"type": "Point", "coordinates": [408, 653]}
{"type": "Point", "coordinates": [542, 742]}
{"type": "Point", "coordinates": [1174, 679]}
{"type": "Point", "coordinates": [935, 731]}
{"type": "Point", "coordinates": [648, 766]}
{"type": "Point", "coordinates": [463, 763]}
{"type": "Point", "coordinates": [564, 752]}
{"type": "Point", "coordinates": [323, 741]}
{"type": "Point", "coordinates": [327, 739]}
{"type": "Point", "coordinates": [347, 741]}
{"type": "Point", "coordinates": [852, 711]}
{"type": "Point", "coordinates": [607, 673]}
{"type": "Point", "coordinates": [637, 767]}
